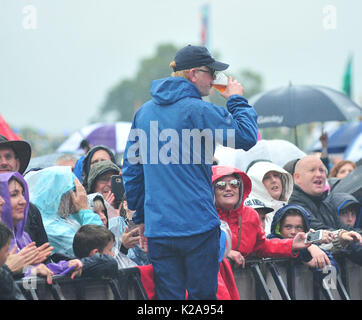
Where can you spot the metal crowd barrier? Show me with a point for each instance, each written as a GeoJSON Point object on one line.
{"type": "Point", "coordinates": [261, 279]}
{"type": "Point", "coordinates": [285, 279]}
{"type": "Point", "coordinates": [126, 286]}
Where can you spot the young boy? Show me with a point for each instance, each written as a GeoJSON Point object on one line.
{"type": "Point", "coordinates": [8, 288]}
{"type": "Point", "coordinates": [260, 208]}
{"type": "Point", "coordinates": [287, 222]}
{"type": "Point", "coordinates": [348, 208]}
{"type": "Point", "coordinates": [93, 245]}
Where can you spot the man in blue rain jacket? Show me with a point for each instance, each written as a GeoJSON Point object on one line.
{"type": "Point", "coordinates": [167, 171]}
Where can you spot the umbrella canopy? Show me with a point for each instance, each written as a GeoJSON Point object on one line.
{"type": "Point", "coordinates": [293, 105]}
{"type": "Point", "coordinates": [354, 150]}
{"type": "Point", "coordinates": [112, 135]}
{"type": "Point", "coordinates": [278, 151]}
{"type": "Point", "coordinates": [341, 138]}
{"type": "Point", "coordinates": [351, 184]}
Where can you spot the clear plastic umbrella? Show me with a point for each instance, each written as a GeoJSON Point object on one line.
{"type": "Point", "coordinates": [278, 151]}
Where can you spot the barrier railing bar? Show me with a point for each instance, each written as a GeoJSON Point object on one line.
{"type": "Point", "coordinates": [260, 282]}
{"type": "Point", "coordinates": [140, 288]}
{"type": "Point", "coordinates": [278, 281]}
{"type": "Point", "coordinates": [56, 291]}
{"type": "Point", "coordinates": [291, 279]}
{"type": "Point", "coordinates": [115, 289]}
{"type": "Point", "coordinates": [341, 289]}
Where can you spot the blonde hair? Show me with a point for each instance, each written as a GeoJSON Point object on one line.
{"type": "Point", "coordinates": [180, 73]}
{"type": "Point", "coordinates": [98, 205]}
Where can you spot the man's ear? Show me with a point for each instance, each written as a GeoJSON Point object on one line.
{"type": "Point", "coordinates": [93, 252]}
{"type": "Point", "coordinates": [192, 76]}
{"type": "Point", "coordinates": [296, 177]}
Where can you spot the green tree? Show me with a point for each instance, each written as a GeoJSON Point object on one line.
{"type": "Point", "coordinates": [124, 99]}
{"type": "Point", "coordinates": [128, 95]}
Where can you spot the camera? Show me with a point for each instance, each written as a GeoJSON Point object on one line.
{"type": "Point", "coordinates": [315, 236]}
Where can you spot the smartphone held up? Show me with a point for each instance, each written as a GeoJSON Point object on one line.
{"type": "Point", "coordinates": [117, 188]}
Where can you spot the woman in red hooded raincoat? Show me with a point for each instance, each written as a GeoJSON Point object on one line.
{"type": "Point", "coordinates": [232, 187]}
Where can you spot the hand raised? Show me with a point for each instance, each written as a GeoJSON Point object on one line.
{"type": "Point", "coordinates": [233, 87]}
{"type": "Point", "coordinates": [299, 242]}
{"type": "Point", "coordinates": [17, 261]}
{"type": "Point", "coordinates": [79, 197]}
{"type": "Point", "coordinates": [130, 238]}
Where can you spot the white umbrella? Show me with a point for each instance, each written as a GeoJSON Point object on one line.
{"type": "Point", "coordinates": [113, 135]}
{"type": "Point", "coordinates": [278, 151]}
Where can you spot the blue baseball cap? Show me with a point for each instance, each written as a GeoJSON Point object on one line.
{"type": "Point", "coordinates": [196, 56]}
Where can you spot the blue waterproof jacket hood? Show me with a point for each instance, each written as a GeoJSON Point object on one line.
{"type": "Point", "coordinates": [275, 226]}
{"type": "Point", "coordinates": [304, 254]}
{"type": "Point", "coordinates": [169, 90]}
{"type": "Point", "coordinates": [341, 200]}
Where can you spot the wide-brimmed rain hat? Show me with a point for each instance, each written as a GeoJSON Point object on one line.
{"type": "Point", "coordinates": [22, 151]}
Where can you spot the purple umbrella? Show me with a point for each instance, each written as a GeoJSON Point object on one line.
{"type": "Point", "coordinates": [112, 135]}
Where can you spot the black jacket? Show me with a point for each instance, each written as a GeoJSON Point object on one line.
{"type": "Point", "coordinates": [323, 214]}
{"type": "Point", "coordinates": [8, 288]}
{"type": "Point", "coordinates": [99, 265]}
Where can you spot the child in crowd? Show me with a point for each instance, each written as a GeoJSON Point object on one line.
{"type": "Point", "coordinates": [8, 288]}
{"type": "Point", "coordinates": [348, 208]}
{"type": "Point", "coordinates": [126, 240]}
{"type": "Point", "coordinates": [287, 222]}
{"type": "Point", "coordinates": [93, 245]}
{"type": "Point", "coordinates": [97, 205]}
{"type": "Point", "coordinates": [260, 208]}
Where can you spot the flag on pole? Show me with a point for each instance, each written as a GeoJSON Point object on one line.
{"type": "Point", "coordinates": [205, 33]}
{"type": "Point", "coordinates": [347, 79]}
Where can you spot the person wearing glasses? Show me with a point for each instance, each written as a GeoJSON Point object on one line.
{"type": "Point", "coordinates": [167, 171]}
{"type": "Point", "coordinates": [232, 187]}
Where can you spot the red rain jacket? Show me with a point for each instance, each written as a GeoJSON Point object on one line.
{"type": "Point", "coordinates": [252, 236]}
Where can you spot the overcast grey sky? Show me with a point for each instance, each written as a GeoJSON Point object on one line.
{"type": "Point", "coordinates": [57, 69]}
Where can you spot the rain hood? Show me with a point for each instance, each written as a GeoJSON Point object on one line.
{"type": "Point", "coordinates": [19, 235]}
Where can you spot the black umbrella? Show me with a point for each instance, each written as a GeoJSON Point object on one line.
{"type": "Point", "coordinates": [351, 183]}
{"type": "Point", "coordinates": [293, 105]}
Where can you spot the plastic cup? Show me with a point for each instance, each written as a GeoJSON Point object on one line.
{"type": "Point", "coordinates": [220, 82]}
